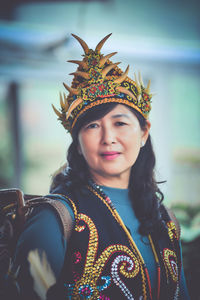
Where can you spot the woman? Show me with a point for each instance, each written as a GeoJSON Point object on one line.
{"type": "Point", "coordinates": [123, 245]}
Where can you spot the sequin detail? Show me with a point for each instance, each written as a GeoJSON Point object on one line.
{"type": "Point", "coordinates": [106, 284]}
{"type": "Point", "coordinates": [134, 248]}
{"type": "Point", "coordinates": [172, 231]}
{"type": "Point", "coordinates": [76, 257]}
{"type": "Point", "coordinates": [176, 295]}
{"type": "Point", "coordinates": [170, 261]}
{"type": "Point", "coordinates": [87, 285]}
{"type": "Point", "coordinates": [126, 266]}
{"type": "Point", "coordinates": [92, 286]}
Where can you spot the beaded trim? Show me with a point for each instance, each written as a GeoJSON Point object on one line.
{"type": "Point", "coordinates": [170, 260]}
{"type": "Point", "coordinates": [103, 101]}
{"type": "Point", "coordinates": [115, 276]}
{"type": "Point", "coordinates": [172, 230]}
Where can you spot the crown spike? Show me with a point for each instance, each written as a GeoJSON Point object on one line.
{"type": "Point", "coordinates": [108, 68]}
{"type": "Point", "coordinates": [105, 58]}
{"type": "Point", "coordinates": [56, 111]}
{"type": "Point", "coordinates": [82, 74]}
{"type": "Point", "coordinates": [140, 79]}
{"type": "Point", "coordinates": [83, 44]}
{"type": "Point", "coordinates": [66, 102]}
{"type": "Point", "coordinates": [137, 83]}
{"type": "Point", "coordinates": [125, 91]}
{"type": "Point", "coordinates": [70, 90]}
{"type": "Point", "coordinates": [148, 87]}
{"type": "Point", "coordinates": [73, 106]}
{"type": "Point", "coordinates": [122, 77]}
{"type": "Point", "coordinates": [61, 102]}
{"type": "Point", "coordinates": [78, 62]}
{"type": "Point", "coordinates": [97, 77]}
{"type": "Point", "coordinates": [65, 98]}
{"type": "Point", "coordinates": [101, 43]}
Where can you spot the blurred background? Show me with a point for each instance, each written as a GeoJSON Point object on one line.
{"type": "Point", "coordinates": [159, 38]}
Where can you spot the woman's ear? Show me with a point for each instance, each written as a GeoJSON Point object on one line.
{"type": "Point", "coordinates": [145, 133]}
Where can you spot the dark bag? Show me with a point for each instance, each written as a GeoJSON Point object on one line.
{"type": "Point", "coordinates": [15, 207]}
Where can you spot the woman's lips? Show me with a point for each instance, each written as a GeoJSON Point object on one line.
{"type": "Point", "coordinates": [110, 155]}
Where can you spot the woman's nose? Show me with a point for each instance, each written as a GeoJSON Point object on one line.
{"type": "Point", "coordinates": [108, 136]}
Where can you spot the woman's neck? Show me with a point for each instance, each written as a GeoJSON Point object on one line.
{"type": "Point", "coordinates": [114, 182]}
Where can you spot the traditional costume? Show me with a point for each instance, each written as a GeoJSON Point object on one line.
{"type": "Point", "coordinates": [102, 260]}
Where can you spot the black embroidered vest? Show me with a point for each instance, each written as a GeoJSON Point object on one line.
{"type": "Point", "coordinates": [102, 261]}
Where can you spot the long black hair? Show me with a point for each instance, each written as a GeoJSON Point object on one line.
{"type": "Point", "coordinates": [144, 193]}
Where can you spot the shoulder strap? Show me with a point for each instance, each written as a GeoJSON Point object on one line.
{"type": "Point", "coordinates": [15, 202]}
{"type": "Point", "coordinates": [65, 217]}
{"type": "Point", "coordinates": [61, 210]}
{"type": "Point", "coordinates": [174, 220]}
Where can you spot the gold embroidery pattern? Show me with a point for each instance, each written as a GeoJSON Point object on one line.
{"type": "Point", "coordinates": [92, 245]}
{"type": "Point", "coordinates": [172, 231]}
{"type": "Point", "coordinates": [129, 268]}
{"type": "Point", "coordinates": [170, 260]}
{"type": "Point", "coordinates": [88, 283]}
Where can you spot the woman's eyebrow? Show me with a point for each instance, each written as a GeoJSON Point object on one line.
{"type": "Point", "coordinates": [120, 115]}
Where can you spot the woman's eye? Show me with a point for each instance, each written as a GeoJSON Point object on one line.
{"type": "Point", "coordinates": [92, 125]}
{"type": "Point", "coordinates": [120, 123]}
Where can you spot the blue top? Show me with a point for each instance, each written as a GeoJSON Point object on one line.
{"type": "Point", "coordinates": [122, 203]}
{"type": "Point", "coordinates": [43, 230]}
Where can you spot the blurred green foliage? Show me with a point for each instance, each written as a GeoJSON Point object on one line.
{"type": "Point", "coordinates": [189, 218]}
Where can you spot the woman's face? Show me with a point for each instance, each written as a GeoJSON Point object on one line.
{"type": "Point", "coordinates": [111, 146]}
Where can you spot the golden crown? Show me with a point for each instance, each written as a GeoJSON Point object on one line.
{"type": "Point", "coordinates": [97, 81]}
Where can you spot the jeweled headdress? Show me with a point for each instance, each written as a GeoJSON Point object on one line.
{"type": "Point", "coordinates": [97, 81]}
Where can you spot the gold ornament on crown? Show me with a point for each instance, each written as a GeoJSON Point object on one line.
{"type": "Point", "coordinates": [97, 81]}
